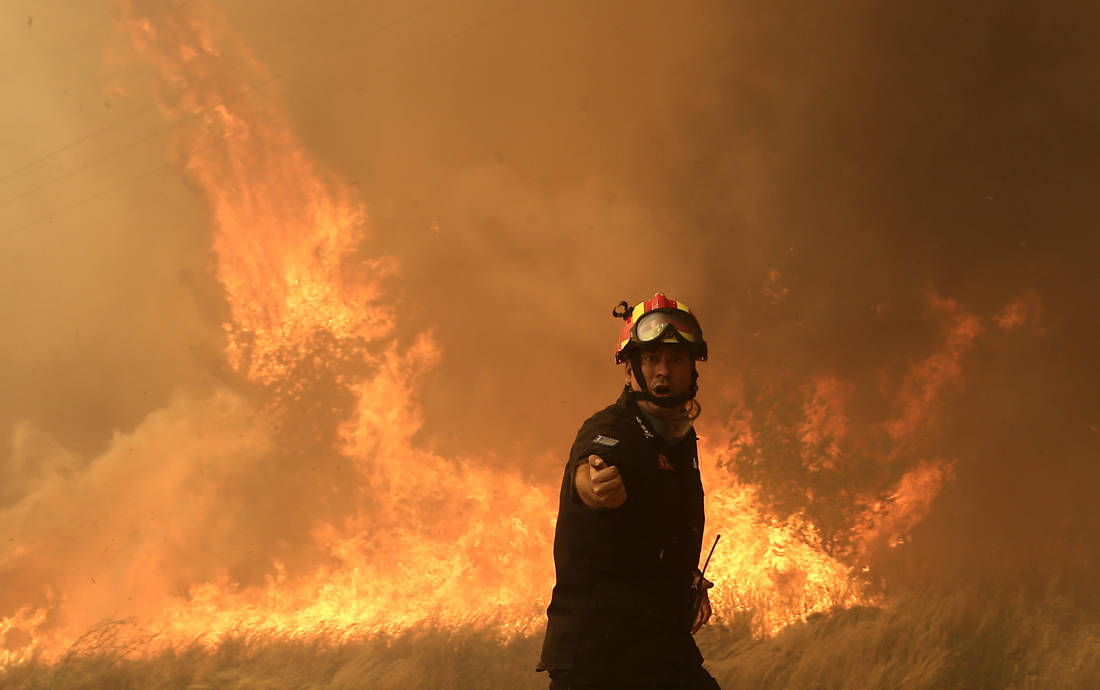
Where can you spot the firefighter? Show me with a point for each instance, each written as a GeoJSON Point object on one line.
{"type": "Point", "coordinates": [629, 595]}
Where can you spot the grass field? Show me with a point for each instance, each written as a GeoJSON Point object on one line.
{"type": "Point", "coordinates": [966, 639]}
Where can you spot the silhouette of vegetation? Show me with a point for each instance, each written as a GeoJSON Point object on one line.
{"type": "Point", "coordinates": [831, 481]}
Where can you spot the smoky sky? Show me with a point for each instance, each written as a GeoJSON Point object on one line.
{"type": "Point", "coordinates": [803, 176]}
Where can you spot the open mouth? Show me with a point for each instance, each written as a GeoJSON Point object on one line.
{"type": "Point", "coordinates": [662, 389]}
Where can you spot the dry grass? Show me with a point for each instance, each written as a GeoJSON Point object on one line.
{"type": "Point", "coordinates": [968, 639]}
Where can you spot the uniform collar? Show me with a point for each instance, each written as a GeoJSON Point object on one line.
{"type": "Point", "coordinates": [646, 420]}
{"type": "Point", "coordinates": [656, 423]}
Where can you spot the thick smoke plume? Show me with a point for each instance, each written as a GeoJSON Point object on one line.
{"type": "Point", "coordinates": [882, 215]}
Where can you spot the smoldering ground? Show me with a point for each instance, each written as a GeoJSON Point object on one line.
{"type": "Point", "coordinates": [805, 178]}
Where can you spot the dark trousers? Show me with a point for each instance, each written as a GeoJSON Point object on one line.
{"type": "Point", "coordinates": [698, 680]}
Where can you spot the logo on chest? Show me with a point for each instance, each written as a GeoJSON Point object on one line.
{"type": "Point", "coordinates": [663, 463]}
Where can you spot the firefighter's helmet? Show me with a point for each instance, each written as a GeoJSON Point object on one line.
{"type": "Point", "coordinates": [657, 321]}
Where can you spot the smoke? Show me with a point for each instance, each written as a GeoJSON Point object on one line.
{"type": "Point", "coordinates": [165, 500]}
{"type": "Point", "coordinates": [812, 181]}
{"type": "Point", "coordinates": [805, 178]}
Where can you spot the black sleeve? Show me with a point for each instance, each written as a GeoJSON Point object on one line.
{"type": "Point", "coordinates": [597, 436]}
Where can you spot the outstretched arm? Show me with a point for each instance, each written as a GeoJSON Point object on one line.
{"type": "Point", "coordinates": [598, 485]}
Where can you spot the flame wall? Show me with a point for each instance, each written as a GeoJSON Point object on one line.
{"type": "Point", "coordinates": [881, 215]}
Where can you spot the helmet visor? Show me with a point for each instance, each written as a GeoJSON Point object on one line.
{"type": "Point", "coordinates": [663, 326]}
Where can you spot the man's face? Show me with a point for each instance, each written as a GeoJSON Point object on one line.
{"type": "Point", "coordinates": [667, 370]}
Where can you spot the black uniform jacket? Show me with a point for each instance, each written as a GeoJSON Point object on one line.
{"type": "Point", "coordinates": [621, 608]}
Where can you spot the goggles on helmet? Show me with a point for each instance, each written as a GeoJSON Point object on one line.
{"type": "Point", "coordinates": [655, 322]}
{"type": "Point", "coordinates": [667, 327]}
{"type": "Point", "coordinates": [658, 321]}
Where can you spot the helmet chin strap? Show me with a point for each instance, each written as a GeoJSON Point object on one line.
{"type": "Point", "coordinates": [647, 395]}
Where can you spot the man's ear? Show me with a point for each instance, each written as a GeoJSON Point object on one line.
{"type": "Point", "coordinates": [629, 375]}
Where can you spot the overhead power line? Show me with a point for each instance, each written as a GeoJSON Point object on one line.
{"type": "Point", "coordinates": [183, 120]}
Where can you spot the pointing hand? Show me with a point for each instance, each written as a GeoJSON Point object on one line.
{"type": "Point", "coordinates": [599, 485]}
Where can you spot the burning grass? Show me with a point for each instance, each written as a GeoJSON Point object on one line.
{"type": "Point", "coordinates": [299, 494]}
{"type": "Point", "coordinates": [972, 638]}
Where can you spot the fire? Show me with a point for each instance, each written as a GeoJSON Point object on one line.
{"type": "Point", "coordinates": [923, 383]}
{"type": "Point", "coordinates": [1019, 312]}
{"type": "Point", "coordinates": [400, 534]}
{"type": "Point", "coordinates": [776, 569]}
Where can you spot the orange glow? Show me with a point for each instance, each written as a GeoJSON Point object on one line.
{"type": "Point", "coordinates": [450, 541]}
{"type": "Point", "coordinates": [776, 569]}
{"type": "Point", "coordinates": [923, 384]}
{"type": "Point", "coordinates": [1019, 312]}
{"type": "Point", "coordinates": [824, 421]}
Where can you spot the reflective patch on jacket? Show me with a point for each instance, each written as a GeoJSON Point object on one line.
{"type": "Point", "coordinates": [606, 441]}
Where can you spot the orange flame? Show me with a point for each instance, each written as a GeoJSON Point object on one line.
{"type": "Point", "coordinates": [923, 384]}
{"type": "Point", "coordinates": [454, 541]}
{"type": "Point", "coordinates": [1019, 312]}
